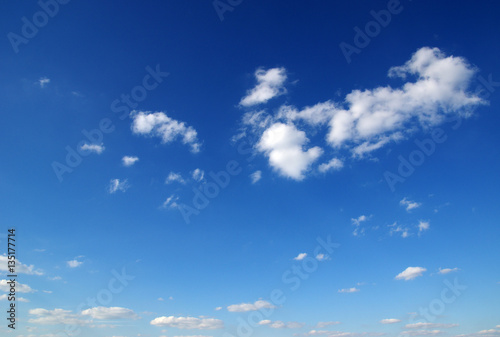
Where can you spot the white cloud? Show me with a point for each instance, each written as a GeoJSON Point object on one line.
{"type": "Point", "coordinates": [55, 278]}
{"type": "Point", "coordinates": [97, 148]}
{"type": "Point", "coordinates": [421, 332]}
{"type": "Point", "coordinates": [357, 223]}
{"type": "Point", "coordinates": [243, 307]}
{"type": "Point", "coordinates": [105, 313]}
{"type": "Point", "coordinates": [409, 204]}
{"type": "Point", "coordinates": [56, 316]}
{"type": "Point", "coordinates": [74, 263]}
{"type": "Point", "coordinates": [270, 84]}
{"type": "Point", "coordinates": [117, 185]}
{"type": "Point", "coordinates": [427, 325]}
{"type": "Point", "coordinates": [284, 146]}
{"type": "Point", "coordinates": [334, 164]}
{"type": "Point", "coordinates": [410, 273]}
{"type": "Point", "coordinates": [300, 257]}
{"type": "Point", "coordinates": [198, 174]}
{"type": "Point", "coordinates": [218, 309]}
{"type": "Point", "coordinates": [349, 290]}
{"type": "Point", "coordinates": [434, 87]}
{"type": "Point", "coordinates": [20, 288]}
{"type": "Point", "coordinates": [390, 321]}
{"type": "Point", "coordinates": [158, 124]}
{"type": "Point", "coordinates": [129, 160]}
{"type": "Point", "coordinates": [174, 177]}
{"type": "Point", "coordinates": [395, 228]}
{"type": "Point", "coordinates": [281, 325]}
{"type": "Point", "coordinates": [21, 268]}
{"type": "Point", "coordinates": [171, 202]}
{"type": "Point", "coordinates": [322, 257]}
{"type": "Point", "coordinates": [447, 270]}
{"type": "Point", "coordinates": [256, 176]}
{"type": "Point", "coordinates": [321, 325]}
{"type": "Point", "coordinates": [423, 226]}
{"type": "Point", "coordinates": [43, 81]}
{"type": "Point", "coordinates": [188, 322]}
{"type": "Point", "coordinates": [5, 297]}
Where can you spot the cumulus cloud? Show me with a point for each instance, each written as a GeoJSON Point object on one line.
{"type": "Point", "coordinates": [284, 145]}
{"type": "Point", "coordinates": [74, 263]}
{"type": "Point", "coordinates": [174, 177]}
{"type": "Point", "coordinates": [270, 83]}
{"type": "Point", "coordinates": [281, 325]}
{"type": "Point", "coordinates": [105, 313]}
{"type": "Point", "coordinates": [96, 148]}
{"type": "Point", "coordinates": [334, 164]}
{"type": "Point", "coordinates": [116, 185]}
{"type": "Point", "coordinates": [434, 88]}
{"type": "Point", "coordinates": [300, 257]}
{"type": "Point", "coordinates": [423, 226]}
{"type": "Point", "coordinates": [158, 124]}
{"type": "Point", "coordinates": [43, 81]}
{"type": "Point", "coordinates": [244, 307]}
{"type": "Point", "coordinates": [390, 321]}
{"type": "Point", "coordinates": [444, 271]}
{"type": "Point", "coordinates": [129, 160]}
{"type": "Point", "coordinates": [198, 174]}
{"type": "Point", "coordinates": [5, 297]}
{"type": "Point", "coordinates": [256, 176]}
{"type": "Point", "coordinates": [349, 290]}
{"type": "Point", "coordinates": [188, 323]}
{"type": "Point", "coordinates": [409, 204]}
{"type": "Point", "coordinates": [56, 316]}
{"type": "Point", "coordinates": [410, 273]}
{"type": "Point", "coordinates": [21, 288]}
{"type": "Point", "coordinates": [21, 268]}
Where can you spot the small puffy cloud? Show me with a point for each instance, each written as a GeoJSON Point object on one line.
{"type": "Point", "coordinates": [270, 84]}
{"type": "Point", "coordinates": [300, 257]}
{"type": "Point", "coordinates": [74, 263]}
{"type": "Point", "coordinates": [188, 323]}
{"type": "Point", "coordinates": [410, 273]}
{"type": "Point", "coordinates": [174, 177]}
{"type": "Point", "coordinates": [43, 81]}
{"type": "Point", "coordinates": [129, 160]}
{"type": "Point", "coordinates": [96, 148]}
{"type": "Point", "coordinates": [161, 299]}
{"type": "Point", "coordinates": [284, 145]}
{"type": "Point", "coordinates": [198, 174]}
{"type": "Point", "coordinates": [281, 325]}
{"type": "Point", "coordinates": [118, 185]}
{"type": "Point", "coordinates": [349, 290]}
{"type": "Point", "coordinates": [5, 297]}
{"type": "Point", "coordinates": [322, 257]}
{"type": "Point", "coordinates": [409, 204]}
{"type": "Point", "coordinates": [428, 325]}
{"type": "Point", "coordinates": [158, 124]}
{"type": "Point", "coordinates": [21, 288]}
{"type": "Point", "coordinates": [390, 321]}
{"type": "Point", "coordinates": [171, 202]}
{"type": "Point", "coordinates": [357, 223]}
{"type": "Point", "coordinates": [21, 268]}
{"type": "Point", "coordinates": [218, 309]}
{"type": "Point", "coordinates": [444, 271]}
{"type": "Point", "coordinates": [244, 307]}
{"type": "Point", "coordinates": [256, 176]}
{"type": "Point", "coordinates": [334, 164]}
{"type": "Point", "coordinates": [56, 316]}
{"type": "Point", "coordinates": [423, 226]}
{"type": "Point", "coordinates": [105, 313]}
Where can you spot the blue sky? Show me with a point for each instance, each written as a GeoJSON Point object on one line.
{"type": "Point", "coordinates": [251, 168]}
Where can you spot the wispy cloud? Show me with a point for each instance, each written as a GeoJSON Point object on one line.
{"type": "Point", "coordinates": [270, 83]}
{"type": "Point", "coordinates": [243, 307]}
{"type": "Point", "coordinates": [116, 185]}
{"type": "Point", "coordinates": [409, 204]}
{"type": "Point", "coordinates": [256, 176]}
{"type": "Point", "coordinates": [96, 148]}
